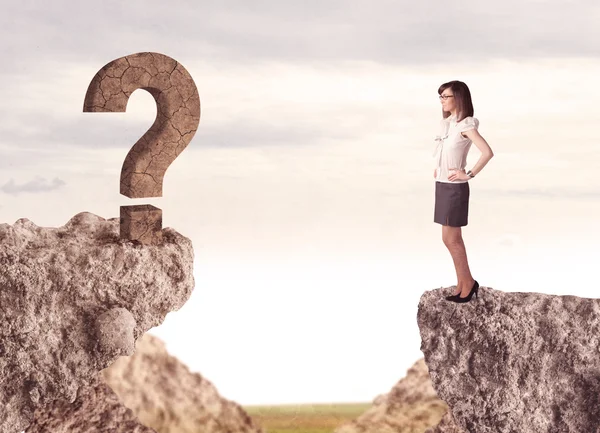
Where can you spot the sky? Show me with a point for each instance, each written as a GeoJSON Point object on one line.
{"type": "Point", "coordinates": [308, 188]}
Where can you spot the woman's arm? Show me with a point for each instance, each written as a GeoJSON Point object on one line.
{"type": "Point", "coordinates": [483, 146]}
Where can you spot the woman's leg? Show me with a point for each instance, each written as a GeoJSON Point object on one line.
{"type": "Point", "coordinates": [452, 237]}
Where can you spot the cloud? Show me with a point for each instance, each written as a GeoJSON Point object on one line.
{"type": "Point", "coordinates": [44, 110]}
{"type": "Point", "coordinates": [406, 33]}
{"type": "Point", "coordinates": [35, 186]}
{"type": "Point", "coordinates": [72, 133]}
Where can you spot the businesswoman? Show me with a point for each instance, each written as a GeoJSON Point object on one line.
{"type": "Point", "coordinates": [458, 130]}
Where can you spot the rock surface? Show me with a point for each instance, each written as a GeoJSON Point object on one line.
{"type": "Point", "coordinates": [96, 409]}
{"type": "Point", "coordinates": [411, 406]}
{"type": "Point", "coordinates": [73, 299]}
{"type": "Point", "coordinates": [514, 362]}
{"type": "Point", "coordinates": [165, 395]}
{"type": "Point", "coordinates": [446, 425]}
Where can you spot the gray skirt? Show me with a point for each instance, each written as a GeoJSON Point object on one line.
{"type": "Point", "coordinates": [451, 203]}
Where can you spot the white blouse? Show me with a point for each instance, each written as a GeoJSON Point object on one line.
{"type": "Point", "coordinates": [451, 147]}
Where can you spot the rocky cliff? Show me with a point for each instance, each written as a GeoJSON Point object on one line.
{"type": "Point", "coordinates": [514, 362]}
{"type": "Point", "coordinates": [72, 300]}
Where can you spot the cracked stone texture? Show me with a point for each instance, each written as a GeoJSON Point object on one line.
{"type": "Point", "coordinates": [95, 410]}
{"type": "Point", "coordinates": [165, 395]}
{"type": "Point", "coordinates": [514, 362]}
{"type": "Point", "coordinates": [75, 298]}
{"type": "Point", "coordinates": [410, 407]}
{"type": "Point", "coordinates": [142, 223]}
{"type": "Point", "coordinates": [177, 115]}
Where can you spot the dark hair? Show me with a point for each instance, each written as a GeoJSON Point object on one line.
{"type": "Point", "coordinates": [462, 99]}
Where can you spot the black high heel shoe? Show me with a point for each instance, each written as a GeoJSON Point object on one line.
{"type": "Point", "coordinates": [458, 299]}
{"type": "Point", "coordinates": [452, 297]}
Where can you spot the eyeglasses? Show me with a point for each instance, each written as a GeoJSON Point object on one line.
{"type": "Point", "coordinates": [444, 97]}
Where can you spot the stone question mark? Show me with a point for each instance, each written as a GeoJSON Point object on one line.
{"type": "Point", "coordinates": [177, 118]}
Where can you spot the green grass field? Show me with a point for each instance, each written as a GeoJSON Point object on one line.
{"type": "Point", "coordinates": [305, 418]}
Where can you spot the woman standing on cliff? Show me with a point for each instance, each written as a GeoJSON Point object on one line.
{"type": "Point", "coordinates": [458, 131]}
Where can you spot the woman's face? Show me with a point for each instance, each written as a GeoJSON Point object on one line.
{"type": "Point", "coordinates": [448, 104]}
